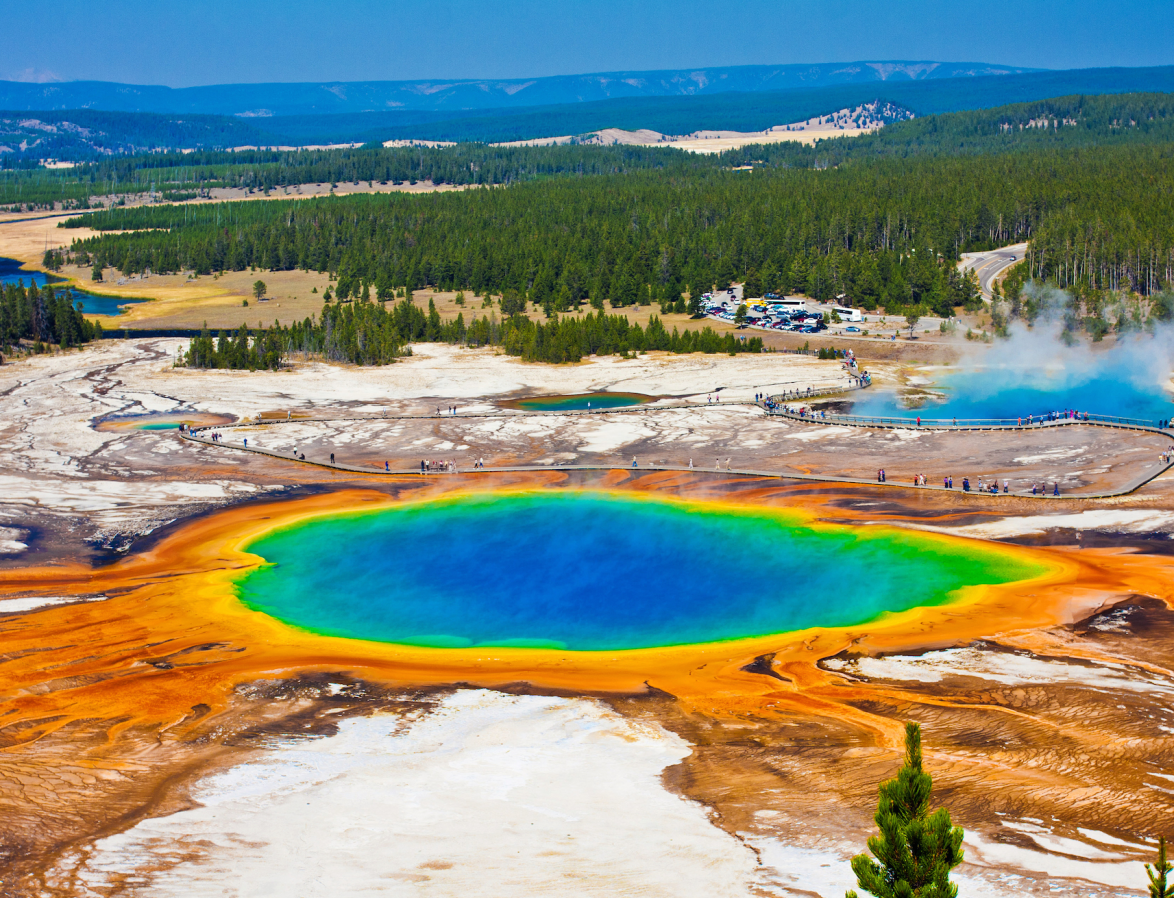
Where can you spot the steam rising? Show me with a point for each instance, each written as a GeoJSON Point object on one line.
{"type": "Point", "coordinates": [1044, 369]}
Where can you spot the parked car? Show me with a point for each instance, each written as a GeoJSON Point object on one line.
{"type": "Point", "coordinates": [851, 330]}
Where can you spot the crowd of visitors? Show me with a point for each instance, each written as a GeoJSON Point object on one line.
{"type": "Point", "coordinates": [992, 487]}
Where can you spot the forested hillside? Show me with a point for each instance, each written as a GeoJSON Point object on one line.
{"type": "Point", "coordinates": [91, 133]}
{"type": "Point", "coordinates": [1061, 123]}
{"type": "Point", "coordinates": [1049, 125]}
{"type": "Point", "coordinates": [886, 232]}
{"type": "Point", "coordinates": [740, 99]}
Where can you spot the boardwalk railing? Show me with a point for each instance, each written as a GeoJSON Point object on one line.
{"type": "Point", "coordinates": [1144, 477]}
{"type": "Point", "coordinates": [912, 422]}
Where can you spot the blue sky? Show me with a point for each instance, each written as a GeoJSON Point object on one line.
{"type": "Point", "coordinates": [215, 41]}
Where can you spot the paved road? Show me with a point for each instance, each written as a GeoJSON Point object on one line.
{"type": "Point", "coordinates": [990, 264]}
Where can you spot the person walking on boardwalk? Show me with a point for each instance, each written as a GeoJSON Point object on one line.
{"type": "Point", "coordinates": [332, 458]}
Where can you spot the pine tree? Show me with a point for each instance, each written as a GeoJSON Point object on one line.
{"type": "Point", "coordinates": [1158, 873]}
{"type": "Point", "coordinates": [916, 849]}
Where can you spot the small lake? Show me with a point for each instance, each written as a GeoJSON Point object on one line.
{"type": "Point", "coordinates": [578, 402]}
{"type": "Point", "coordinates": [91, 304]}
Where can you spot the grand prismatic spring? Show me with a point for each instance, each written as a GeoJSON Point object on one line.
{"type": "Point", "coordinates": [599, 572]}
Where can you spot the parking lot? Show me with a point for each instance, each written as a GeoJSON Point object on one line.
{"type": "Point", "coordinates": [800, 315]}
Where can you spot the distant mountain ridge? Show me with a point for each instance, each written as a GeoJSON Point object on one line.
{"type": "Point", "coordinates": [27, 136]}
{"type": "Point", "coordinates": [266, 100]}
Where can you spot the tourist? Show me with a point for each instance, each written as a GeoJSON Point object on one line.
{"type": "Point", "coordinates": [246, 442]}
{"type": "Point", "coordinates": [387, 467]}
{"type": "Point", "coordinates": [633, 462]}
{"type": "Point", "coordinates": [690, 464]}
{"type": "Point", "coordinates": [966, 484]}
{"type": "Point", "coordinates": [1056, 489]}
{"type": "Point", "coordinates": [423, 466]}
{"type": "Point", "coordinates": [332, 458]}
{"type": "Point", "coordinates": [1006, 486]}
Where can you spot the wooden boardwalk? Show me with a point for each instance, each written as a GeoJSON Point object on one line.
{"type": "Point", "coordinates": [198, 436]}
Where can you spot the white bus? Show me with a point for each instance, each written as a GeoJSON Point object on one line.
{"type": "Point", "coordinates": [847, 314]}
{"type": "Point", "coordinates": [789, 305]}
